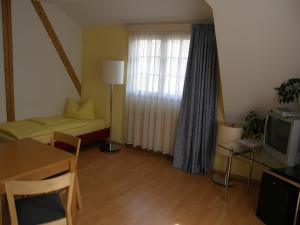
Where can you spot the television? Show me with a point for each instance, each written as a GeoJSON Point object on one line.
{"type": "Point", "coordinates": [282, 138]}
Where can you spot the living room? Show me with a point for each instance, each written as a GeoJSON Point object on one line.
{"type": "Point", "coordinates": [256, 50]}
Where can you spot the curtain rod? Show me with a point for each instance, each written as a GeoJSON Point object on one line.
{"type": "Point", "coordinates": [187, 22]}
{"type": "Point", "coordinates": [165, 26]}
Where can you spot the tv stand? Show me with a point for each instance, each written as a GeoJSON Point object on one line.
{"type": "Point", "coordinates": [297, 166]}
{"type": "Point", "coordinates": [278, 202]}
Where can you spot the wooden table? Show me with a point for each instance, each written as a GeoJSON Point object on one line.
{"type": "Point", "coordinates": [27, 159]}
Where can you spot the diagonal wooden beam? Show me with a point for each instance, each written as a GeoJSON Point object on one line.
{"type": "Point", "coordinates": [8, 59]}
{"type": "Point", "coordinates": [59, 48]}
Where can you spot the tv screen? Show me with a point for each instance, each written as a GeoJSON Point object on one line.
{"type": "Point", "coordinates": [277, 134]}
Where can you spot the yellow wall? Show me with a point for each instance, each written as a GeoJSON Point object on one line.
{"type": "Point", "coordinates": [104, 43]}
{"type": "Point", "coordinates": [220, 107]}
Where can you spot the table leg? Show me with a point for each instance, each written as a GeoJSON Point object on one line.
{"type": "Point", "coordinates": [1, 210]}
{"type": "Point", "coordinates": [228, 175]}
{"type": "Point", "coordinates": [297, 209]}
{"type": "Point", "coordinates": [250, 173]}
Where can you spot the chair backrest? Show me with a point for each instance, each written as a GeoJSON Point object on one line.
{"type": "Point", "coordinates": [67, 139]}
{"type": "Point", "coordinates": [13, 188]}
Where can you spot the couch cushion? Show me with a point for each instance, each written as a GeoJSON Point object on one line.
{"type": "Point", "coordinates": [71, 108]}
{"type": "Point", "coordinates": [39, 209]}
{"type": "Point", "coordinates": [80, 111]}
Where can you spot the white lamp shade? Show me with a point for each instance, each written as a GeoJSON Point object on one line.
{"type": "Point", "coordinates": [112, 72]}
{"type": "Point", "coordinates": [227, 133]}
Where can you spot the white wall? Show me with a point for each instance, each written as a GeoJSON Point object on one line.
{"type": "Point", "coordinates": [259, 48]}
{"type": "Point", "coordinates": [41, 81]}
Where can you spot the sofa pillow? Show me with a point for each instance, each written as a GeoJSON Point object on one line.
{"type": "Point", "coordinates": [86, 111]}
{"type": "Point", "coordinates": [71, 108]}
{"type": "Point", "coordinates": [83, 111]}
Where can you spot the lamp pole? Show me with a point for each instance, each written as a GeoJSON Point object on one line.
{"type": "Point", "coordinates": [110, 119]}
{"type": "Point", "coordinates": [112, 72]}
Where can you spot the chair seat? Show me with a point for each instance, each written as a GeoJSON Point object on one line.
{"type": "Point", "coordinates": [39, 209]}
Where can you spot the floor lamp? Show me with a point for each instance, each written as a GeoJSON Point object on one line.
{"type": "Point", "coordinates": [112, 73]}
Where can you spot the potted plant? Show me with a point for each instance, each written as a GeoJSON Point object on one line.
{"type": "Point", "coordinates": [289, 91]}
{"type": "Point", "coordinates": [254, 126]}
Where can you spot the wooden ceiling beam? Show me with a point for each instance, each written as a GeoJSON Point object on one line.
{"type": "Point", "coordinates": [8, 59]}
{"type": "Point", "coordinates": [58, 46]}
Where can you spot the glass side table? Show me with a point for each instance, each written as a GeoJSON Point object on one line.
{"type": "Point", "coordinates": [234, 148]}
{"type": "Point", "coordinates": [251, 153]}
{"type": "Point", "coordinates": [263, 159]}
{"type": "Point", "coordinates": [256, 157]}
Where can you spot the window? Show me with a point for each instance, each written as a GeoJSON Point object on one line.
{"type": "Point", "coordinates": [157, 64]}
{"type": "Point", "coordinates": [155, 78]}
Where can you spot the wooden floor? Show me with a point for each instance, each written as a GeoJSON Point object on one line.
{"type": "Point", "coordinates": [134, 187]}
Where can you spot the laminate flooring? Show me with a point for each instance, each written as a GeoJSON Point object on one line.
{"type": "Point", "coordinates": [135, 187]}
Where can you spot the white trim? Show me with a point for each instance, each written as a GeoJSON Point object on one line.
{"type": "Point", "coordinates": [159, 27]}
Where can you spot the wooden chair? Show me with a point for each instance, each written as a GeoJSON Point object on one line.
{"type": "Point", "coordinates": [45, 206]}
{"type": "Point", "coordinates": [69, 143]}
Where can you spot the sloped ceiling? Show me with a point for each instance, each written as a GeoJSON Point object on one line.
{"type": "Point", "coordinates": [112, 12]}
{"type": "Point", "coordinates": [259, 48]}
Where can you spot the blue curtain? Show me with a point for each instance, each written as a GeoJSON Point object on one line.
{"type": "Point", "coordinates": [195, 140]}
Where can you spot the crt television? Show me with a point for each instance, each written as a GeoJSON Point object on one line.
{"type": "Point", "coordinates": [282, 138]}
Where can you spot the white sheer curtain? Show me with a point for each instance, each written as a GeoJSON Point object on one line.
{"type": "Point", "coordinates": [155, 78]}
